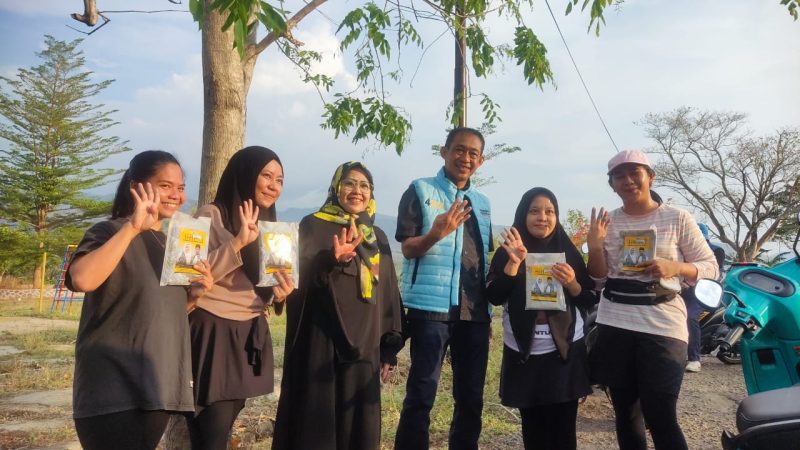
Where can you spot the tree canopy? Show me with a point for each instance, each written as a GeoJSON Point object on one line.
{"type": "Point", "coordinates": [375, 34]}
{"type": "Point", "coordinates": [747, 186]}
{"type": "Point", "coordinates": [53, 138]}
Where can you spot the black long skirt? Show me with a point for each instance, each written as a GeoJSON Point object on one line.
{"type": "Point", "coordinates": [326, 403]}
{"type": "Point", "coordinates": [231, 359]}
{"type": "Point", "coordinates": [544, 379]}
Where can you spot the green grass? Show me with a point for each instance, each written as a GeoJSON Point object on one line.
{"type": "Point", "coordinates": [29, 307]}
{"type": "Point", "coordinates": [43, 366]}
{"type": "Point", "coordinates": [19, 375]}
{"type": "Point", "coordinates": [498, 422]}
{"type": "Point", "coordinates": [44, 344]}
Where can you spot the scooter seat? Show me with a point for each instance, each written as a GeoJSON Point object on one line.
{"type": "Point", "coordinates": [769, 406]}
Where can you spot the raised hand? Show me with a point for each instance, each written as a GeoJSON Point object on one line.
{"type": "Point", "coordinates": [598, 229]}
{"type": "Point", "coordinates": [248, 231]}
{"type": "Point", "coordinates": [284, 287]}
{"type": "Point", "coordinates": [515, 248]}
{"type": "Point", "coordinates": [345, 244]}
{"type": "Point", "coordinates": [447, 222]}
{"type": "Point", "coordinates": [145, 209]}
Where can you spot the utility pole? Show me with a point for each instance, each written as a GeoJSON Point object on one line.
{"type": "Point", "coordinates": [460, 72]}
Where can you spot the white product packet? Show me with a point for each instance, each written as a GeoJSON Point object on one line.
{"type": "Point", "coordinates": [543, 290]}
{"type": "Point", "coordinates": [187, 244]}
{"type": "Point", "coordinates": [278, 250]}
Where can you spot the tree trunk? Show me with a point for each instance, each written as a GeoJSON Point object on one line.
{"type": "Point", "coordinates": [37, 274]}
{"type": "Point", "coordinates": [225, 85]}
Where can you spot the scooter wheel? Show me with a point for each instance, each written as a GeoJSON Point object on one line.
{"type": "Point", "coordinates": [732, 357]}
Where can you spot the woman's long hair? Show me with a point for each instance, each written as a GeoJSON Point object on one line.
{"type": "Point", "coordinates": [141, 168]}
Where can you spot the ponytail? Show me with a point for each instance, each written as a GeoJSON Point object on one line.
{"type": "Point", "coordinates": [123, 200]}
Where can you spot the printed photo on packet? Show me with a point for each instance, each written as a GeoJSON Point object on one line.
{"type": "Point", "coordinates": [187, 245]}
{"type": "Point", "coordinates": [637, 247]}
{"type": "Point", "coordinates": [544, 292]}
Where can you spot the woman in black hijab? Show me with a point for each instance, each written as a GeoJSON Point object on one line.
{"type": "Point", "coordinates": [231, 344]}
{"type": "Point", "coordinates": [343, 324]}
{"type": "Point", "coordinates": [544, 371]}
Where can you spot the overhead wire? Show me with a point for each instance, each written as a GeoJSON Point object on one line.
{"type": "Point", "coordinates": [580, 76]}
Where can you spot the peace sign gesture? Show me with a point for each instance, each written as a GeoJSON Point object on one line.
{"type": "Point", "coordinates": [345, 244]}
{"type": "Point", "coordinates": [145, 209]}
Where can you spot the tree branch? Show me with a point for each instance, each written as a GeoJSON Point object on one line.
{"type": "Point", "coordinates": [254, 51]}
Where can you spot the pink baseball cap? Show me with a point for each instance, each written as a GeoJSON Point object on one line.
{"type": "Point", "coordinates": [628, 157]}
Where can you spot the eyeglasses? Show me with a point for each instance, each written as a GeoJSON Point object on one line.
{"type": "Point", "coordinates": [472, 155]}
{"type": "Point", "coordinates": [349, 184]}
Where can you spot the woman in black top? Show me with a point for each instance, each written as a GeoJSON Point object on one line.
{"type": "Point", "coordinates": [544, 370]}
{"type": "Point", "coordinates": [132, 355]}
{"type": "Point", "coordinates": [343, 324]}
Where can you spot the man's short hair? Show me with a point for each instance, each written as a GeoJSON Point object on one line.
{"type": "Point", "coordinates": [458, 130]}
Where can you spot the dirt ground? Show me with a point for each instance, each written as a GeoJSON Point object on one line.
{"type": "Point", "coordinates": [707, 406]}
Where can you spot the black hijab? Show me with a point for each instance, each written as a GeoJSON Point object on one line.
{"type": "Point", "coordinates": [238, 184]}
{"type": "Point", "coordinates": [522, 320]}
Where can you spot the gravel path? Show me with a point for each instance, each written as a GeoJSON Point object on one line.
{"type": "Point", "coordinates": [706, 407]}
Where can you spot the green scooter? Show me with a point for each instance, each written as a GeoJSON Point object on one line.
{"type": "Point", "coordinates": [763, 313]}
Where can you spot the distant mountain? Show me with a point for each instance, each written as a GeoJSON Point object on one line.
{"type": "Point", "coordinates": [385, 222]}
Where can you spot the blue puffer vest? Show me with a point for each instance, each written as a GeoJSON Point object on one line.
{"type": "Point", "coordinates": [432, 282]}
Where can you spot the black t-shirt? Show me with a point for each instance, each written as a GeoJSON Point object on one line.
{"type": "Point", "coordinates": [132, 350]}
{"type": "Point", "coordinates": [472, 304]}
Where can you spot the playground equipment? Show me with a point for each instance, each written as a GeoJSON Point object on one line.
{"type": "Point", "coordinates": [63, 297]}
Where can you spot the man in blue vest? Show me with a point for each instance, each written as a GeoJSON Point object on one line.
{"type": "Point", "coordinates": [444, 225]}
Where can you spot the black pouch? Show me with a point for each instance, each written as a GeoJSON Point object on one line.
{"type": "Point", "coordinates": [634, 292]}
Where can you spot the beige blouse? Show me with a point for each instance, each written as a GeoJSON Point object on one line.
{"type": "Point", "coordinates": [232, 296]}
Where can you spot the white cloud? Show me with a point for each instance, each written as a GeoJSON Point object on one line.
{"type": "Point", "coordinates": [297, 109]}
{"type": "Point", "coordinates": [652, 56]}
{"type": "Point", "coordinates": [275, 75]}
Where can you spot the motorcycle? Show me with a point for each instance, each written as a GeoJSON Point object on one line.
{"type": "Point", "coordinates": [712, 329]}
{"type": "Point", "coordinates": [763, 313]}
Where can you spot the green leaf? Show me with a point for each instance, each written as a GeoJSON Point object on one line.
{"type": "Point", "coordinates": [239, 35]}
{"type": "Point", "coordinates": [272, 19]}
{"type": "Point", "coordinates": [369, 118]}
{"type": "Point", "coordinates": [532, 55]}
{"type": "Point", "coordinates": [196, 8]}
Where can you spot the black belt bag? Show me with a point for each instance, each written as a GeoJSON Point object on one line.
{"type": "Point", "coordinates": [634, 292]}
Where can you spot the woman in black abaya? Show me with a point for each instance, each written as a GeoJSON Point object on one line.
{"type": "Point", "coordinates": [343, 326]}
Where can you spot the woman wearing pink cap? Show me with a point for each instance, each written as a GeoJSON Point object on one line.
{"type": "Point", "coordinates": [641, 344]}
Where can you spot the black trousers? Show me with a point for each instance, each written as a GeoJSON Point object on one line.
{"type": "Point", "coordinates": [210, 429]}
{"type": "Point", "coordinates": [134, 429]}
{"type": "Point", "coordinates": [644, 373]}
{"type": "Point", "coordinates": [469, 352]}
{"type": "Point", "coordinates": [550, 427]}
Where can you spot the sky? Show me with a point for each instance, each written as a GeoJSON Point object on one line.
{"type": "Point", "coordinates": [651, 56]}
